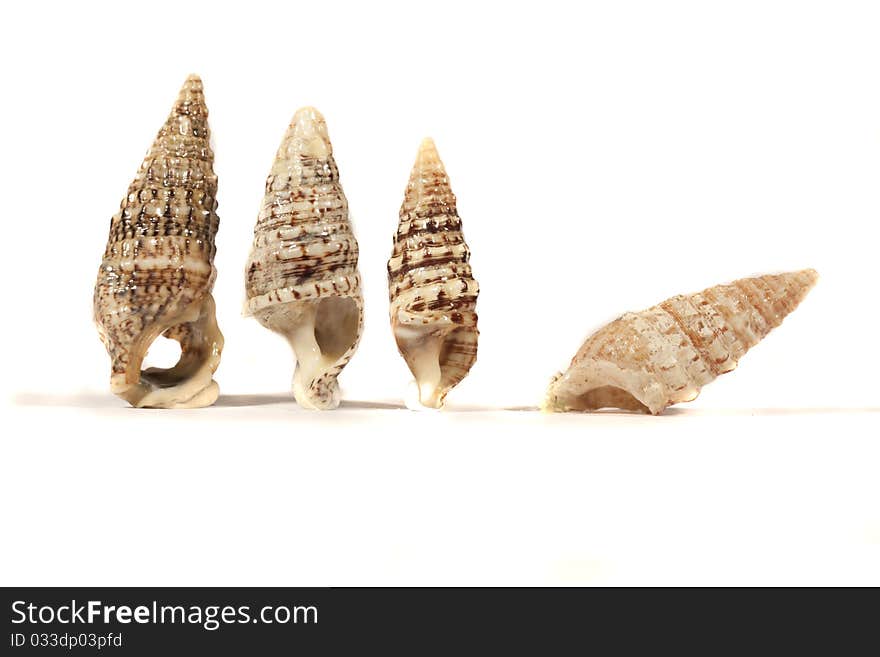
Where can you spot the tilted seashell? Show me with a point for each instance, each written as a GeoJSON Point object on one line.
{"type": "Point", "coordinates": [158, 267]}
{"type": "Point", "coordinates": [649, 360]}
{"type": "Point", "coordinates": [302, 279]}
{"type": "Point", "coordinates": [433, 294]}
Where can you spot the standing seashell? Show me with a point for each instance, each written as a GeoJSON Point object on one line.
{"type": "Point", "coordinates": [433, 293]}
{"type": "Point", "coordinates": [301, 278]}
{"type": "Point", "coordinates": [158, 267]}
{"type": "Point", "coordinates": [649, 360]}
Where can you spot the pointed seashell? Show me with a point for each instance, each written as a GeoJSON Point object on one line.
{"type": "Point", "coordinates": [158, 267]}
{"type": "Point", "coordinates": [652, 359]}
{"type": "Point", "coordinates": [433, 293]}
{"type": "Point", "coordinates": [301, 278]}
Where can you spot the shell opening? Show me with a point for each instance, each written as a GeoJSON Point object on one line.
{"type": "Point", "coordinates": [164, 353]}
{"type": "Point", "coordinates": [186, 384]}
{"type": "Point", "coordinates": [336, 326]}
{"type": "Point", "coordinates": [429, 357]}
{"type": "Point", "coordinates": [186, 365]}
{"type": "Point", "coordinates": [606, 397]}
{"type": "Point", "coordinates": [320, 334]}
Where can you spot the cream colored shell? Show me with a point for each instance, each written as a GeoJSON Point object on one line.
{"type": "Point", "coordinates": [432, 291]}
{"type": "Point", "coordinates": [301, 277]}
{"type": "Point", "coordinates": [649, 360]}
{"type": "Point", "coordinates": [157, 271]}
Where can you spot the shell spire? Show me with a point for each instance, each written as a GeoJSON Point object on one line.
{"type": "Point", "coordinates": [189, 116]}
{"type": "Point", "coordinates": [649, 360]}
{"type": "Point", "coordinates": [158, 266]}
{"type": "Point", "coordinates": [301, 278]}
{"type": "Point", "coordinates": [432, 290]}
{"type": "Point", "coordinates": [428, 183]}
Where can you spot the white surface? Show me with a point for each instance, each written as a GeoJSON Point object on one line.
{"type": "Point", "coordinates": [263, 493]}
{"type": "Point", "coordinates": [605, 157]}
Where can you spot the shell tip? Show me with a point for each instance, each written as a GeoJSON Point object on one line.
{"type": "Point", "coordinates": [191, 91]}
{"type": "Point", "coordinates": [192, 84]}
{"type": "Point", "coordinates": [806, 279]}
{"type": "Point", "coordinates": [307, 136]}
{"type": "Point", "coordinates": [307, 114]}
{"type": "Point", "coordinates": [428, 151]}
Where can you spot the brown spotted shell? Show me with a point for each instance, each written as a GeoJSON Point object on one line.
{"type": "Point", "coordinates": [432, 291]}
{"type": "Point", "coordinates": [158, 267]}
{"type": "Point", "coordinates": [301, 278]}
{"type": "Point", "coordinates": [649, 360]}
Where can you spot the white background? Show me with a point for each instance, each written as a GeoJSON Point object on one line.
{"type": "Point", "coordinates": [605, 156]}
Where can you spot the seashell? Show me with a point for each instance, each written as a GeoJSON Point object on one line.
{"type": "Point", "coordinates": [302, 279]}
{"type": "Point", "coordinates": [158, 268]}
{"type": "Point", "coordinates": [432, 291]}
{"type": "Point", "coordinates": [652, 359]}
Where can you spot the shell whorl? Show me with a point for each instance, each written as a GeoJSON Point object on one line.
{"type": "Point", "coordinates": [432, 290]}
{"type": "Point", "coordinates": [158, 266]}
{"type": "Point", "coordinates": [301, 278]}
{"type": "Point", "coordinates": [661, 356]}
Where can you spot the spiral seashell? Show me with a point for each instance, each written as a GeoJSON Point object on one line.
{"type": "Point", "coordinates": [158, 267]}
{"type": "Point", "coordinates": [301, 278]}
{"type": "Point", "coordinates": [652, 359]}
{"type": "Point", "coordinates": [432, 291]}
